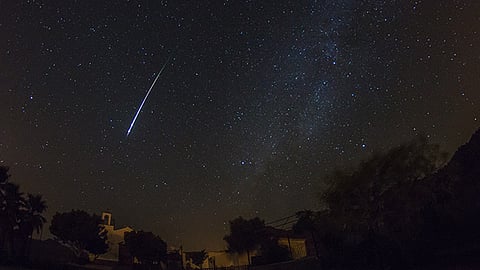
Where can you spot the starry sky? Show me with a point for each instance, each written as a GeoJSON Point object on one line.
{"type": "Point", "coordinates": [258, 102]}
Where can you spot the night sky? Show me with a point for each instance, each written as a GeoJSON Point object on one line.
{"type": "Point", "coordinates": [259, 100]}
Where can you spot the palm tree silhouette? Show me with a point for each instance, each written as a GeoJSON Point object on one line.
{"type": "Point", "coordinates": [20, 215]}
{"type": "Point", "coordinates": [31, 219]}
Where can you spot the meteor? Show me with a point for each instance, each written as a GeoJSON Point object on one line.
{"type": "Point", "coordinates": [145, 98]}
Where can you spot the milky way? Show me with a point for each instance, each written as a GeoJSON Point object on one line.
{"type": "Point", "coordinates": [259, 102]}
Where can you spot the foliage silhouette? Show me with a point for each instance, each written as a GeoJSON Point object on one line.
{"type": "Point", "coordinates": [199, 257]}
{"type": "Point", "coordinates": [272, 252]}
{"type": "Point", "coordinates": [306, 223]}
{"type": "Point", "coordinates": [31, 220]}
{"type": "Point", "coordinates": [148, 248]}
{"type": "Point", "coordinates": [10, 212]}
{"type": "Point", "coordinates": [375, 212]}
{"type": "Point", "coordinates": [19, 216]}
{"type": "Point", "coordinates": [80, 231]}
{"type": "Point", "coordinates": [245, 235]}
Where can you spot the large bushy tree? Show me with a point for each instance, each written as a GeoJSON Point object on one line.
{"type": "Point", "coordinates": [373, 212]}
{"type": "Point", "coordinates": [306, 222]}
{"type": "Point", "coordinates": [378, 187]}
{"type": "Point", "coordinates": [245, 235]}
{"type": "Point", "coordinates": [148, 248]}
{"type": "Point", "coordinates": [80, 231]}
{"type": "Point", "coordinates": [199, 257]}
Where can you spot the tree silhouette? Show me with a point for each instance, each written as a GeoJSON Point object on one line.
{"type": "Point", "coordinates": [149, 249]}
{"type": "Point", "coordinates": [31, 219]}
{"type": "Point", "coordinates": [377, 206]}
{"type": "Point", "coordinates": [80, 231]}
{"type": "Point", "coordinates": [198, 257]}
{"type": "Point", "coordinates": [272, 252]}
{"type": "Point", "coordinates": [368, 195]}
{"type": "Point", "coordinates": [35, 206]}
{"type": "Point", "coordinates": [245, 235]}
{"type": "Point", "coordinates": [19, 216]}
{"type": "Point", "coordinates": [306, 223]}
{"type": "Point", "coordinates": [11, 203]}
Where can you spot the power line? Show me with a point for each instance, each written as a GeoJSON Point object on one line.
{"type": "Point", "coordinates": [280, 219]}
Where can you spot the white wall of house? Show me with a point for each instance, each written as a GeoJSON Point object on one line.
{"type": "Point", "coordinates": [114, 238]}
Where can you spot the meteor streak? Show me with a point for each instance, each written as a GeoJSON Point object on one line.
{"type": "Point", "coordinates": [145, 98]}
